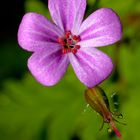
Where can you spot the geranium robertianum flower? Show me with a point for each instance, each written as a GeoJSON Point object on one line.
{"type": "Point", "coordinates": [69, 40]}
{"type": "Point", "coordinates": [98, 100]}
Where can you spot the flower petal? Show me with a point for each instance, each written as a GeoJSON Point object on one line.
{"type": "Point", "coordinates": [36, 32]}
{"type": "Point", "coordinates": [48, 65]}
{"type": "Point", "coordinates": [68, 14]}
{"type": "Point", "coordinates": [91, 66]}
{"type": "Point", "coordinates": [101, 28]}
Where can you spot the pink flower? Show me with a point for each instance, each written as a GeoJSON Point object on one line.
{"type": "Point", "coordinates": [69, 40]}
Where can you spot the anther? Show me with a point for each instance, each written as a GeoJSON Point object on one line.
{"type": "Point", "coordinates": [77, 46]}
{"type": "Point", "coordinates": [64, 51]}
{"type": "Point", "coordinates": [67, 34]}
{"type": "Point", "coordinates": [77, 38]}
{"type": "Point", "coordinates": [74, 51]}
{"type": "Point", "coordinates": [61, 41]}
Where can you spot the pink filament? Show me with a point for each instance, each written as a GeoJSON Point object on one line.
{"type": "Point", "coordinates": [117, 132]}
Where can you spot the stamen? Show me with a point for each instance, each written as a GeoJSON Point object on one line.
{"type": "Point", "coordinates": [77, 46]}
{"type": "Point", "coordinates": [64, 51]}
{"type": "Point", "coordinates": [74, 51]}
{"type": "Point", "coordinates": [77, 38]}
{"type": "Point", "coordinates": [67, 34]}
{"type": "Point", "coordinates": [61, 41]}
{"type": "Point", "coordinates": [69, 42]}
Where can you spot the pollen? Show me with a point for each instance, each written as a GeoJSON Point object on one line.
{"type": "Point", "coordinates": [69, 43]}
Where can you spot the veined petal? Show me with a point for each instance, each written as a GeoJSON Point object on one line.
{"type": "Point", "coordinates": [91, 66]}
{"type": "Point", "coordinates": [67, 14]}
{"type": "Point", "coordinates": [36, 32]}
{"type": "Point", "coordinates": [48, 65]}
{"type": "Point", "coordinates": [101, 28]}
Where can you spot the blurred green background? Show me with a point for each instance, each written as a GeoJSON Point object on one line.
{"type": "Point", "coordinates": [30, 111]}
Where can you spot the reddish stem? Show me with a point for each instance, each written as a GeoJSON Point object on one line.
{"type": "Point", "coordinates": [117, 132]}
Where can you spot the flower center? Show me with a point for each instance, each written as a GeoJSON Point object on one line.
{"type": "Point", "coordinates": [69, 42]}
